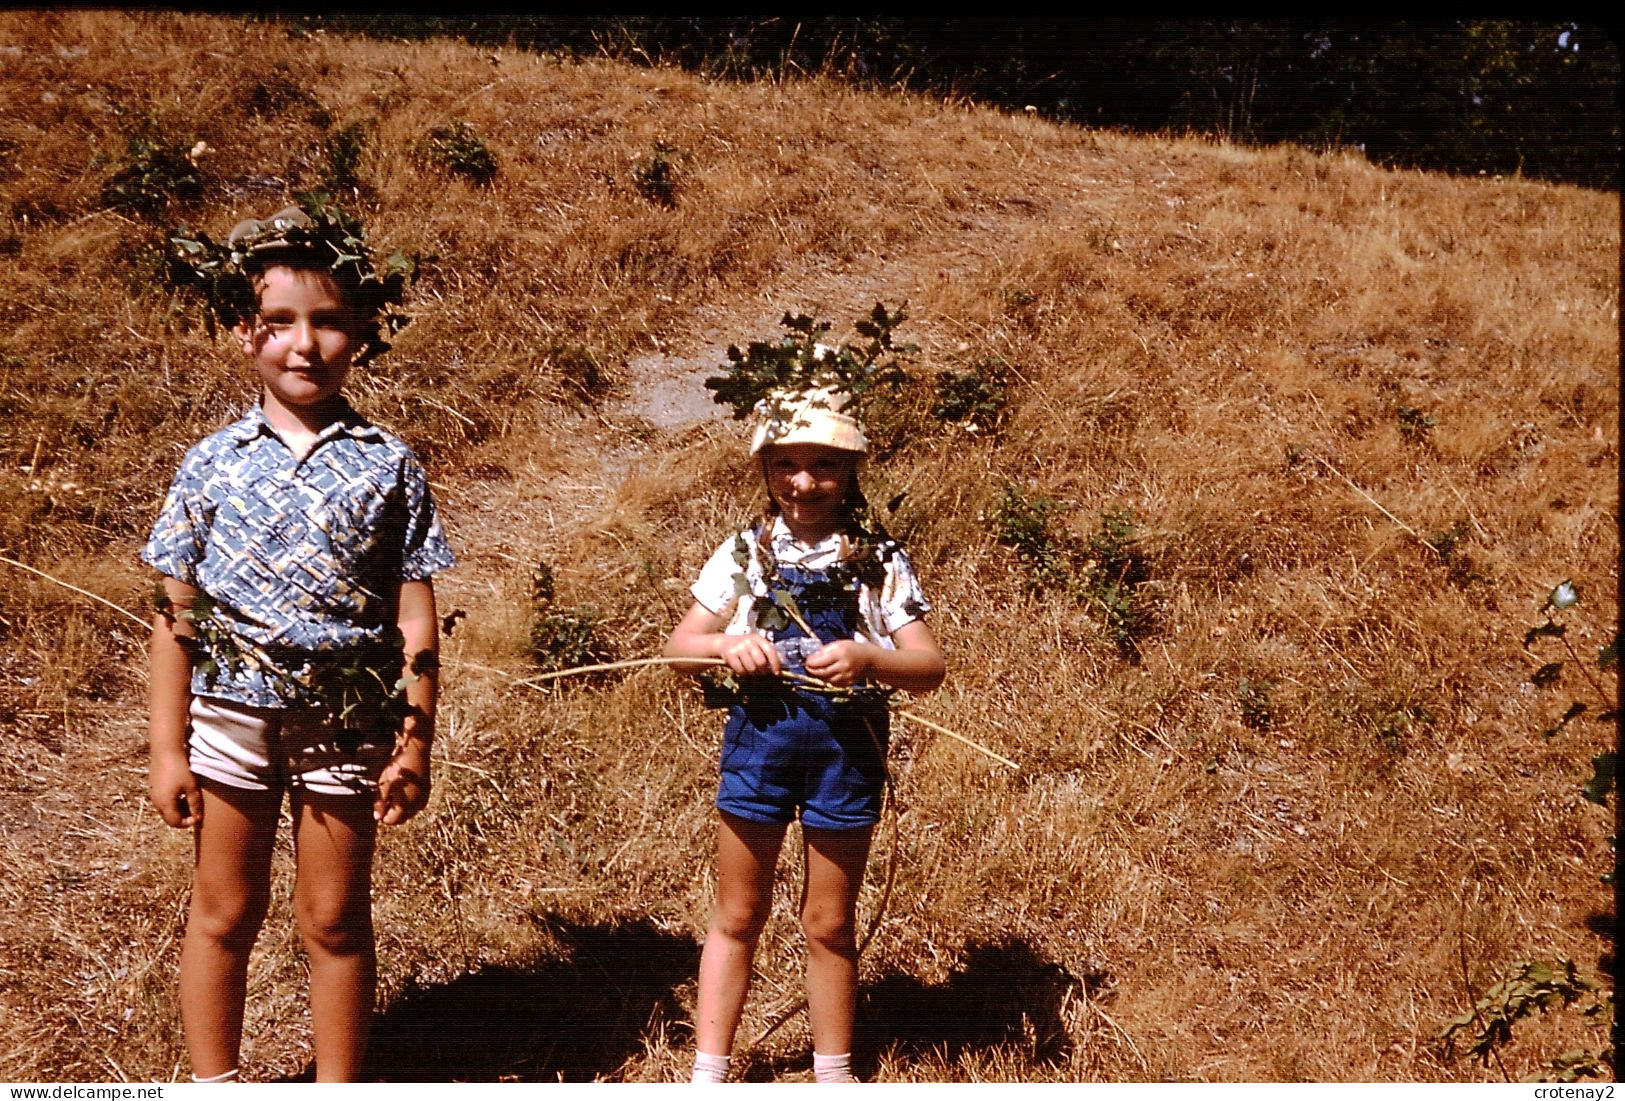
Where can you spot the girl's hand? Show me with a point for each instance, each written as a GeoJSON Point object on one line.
{"type": "Point", "coordinates": [749, 655]}
{"type": "Point", "coordinates": [403, 786]}
{"type": "Point", "coordinates": [843, 663]}
{"type": "Point", "coordinates": [174, 790]}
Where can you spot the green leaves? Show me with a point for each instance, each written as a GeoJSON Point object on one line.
{"type": "Point", "coordinates": [1604, 778]}
{"type": "Point", "coordinates": [1533, 986]}
{"type": "Point", "coordinates": [159, 173]}
{"type": "Point", "coordinates": [219, 275]}
{"type": "Point", "coordinates": [1105, 572]}
{"type": "Point", "coordinates": [458, 148]}
{"type": "Point", "coordinates": [561, 637]}
{"type": "Point", "coordinates": [765, 372]}
{"type": "Point", "coordinates": [974, 398]}
{"type": "Point", "coordinates": [362, 688]}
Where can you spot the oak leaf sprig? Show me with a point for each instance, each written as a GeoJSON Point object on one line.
{"type": "Point", "coordinates": [766, 375]}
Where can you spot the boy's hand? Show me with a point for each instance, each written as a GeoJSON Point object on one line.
{"type": "Point", "coordinates": [174, 791]}
{"type": "Point", "coordinates": [403, 787]}
{"type": "Point", "coordinates": [843, 663]}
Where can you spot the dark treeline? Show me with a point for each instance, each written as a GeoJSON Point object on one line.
{"type": "Point", "coordinates": [1539, 98]}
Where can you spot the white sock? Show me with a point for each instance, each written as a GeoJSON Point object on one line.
{"type": "Point", "coordinates": [226, 1077]}
{"type": "Point", "coordinates": [832, 1068]}
{"type": "Point", "coordinates": [710, 1068]}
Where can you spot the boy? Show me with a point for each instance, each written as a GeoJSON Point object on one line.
{"type": "Point", "coordinates": [297, 548]}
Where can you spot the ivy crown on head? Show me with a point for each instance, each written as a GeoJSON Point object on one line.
{"type": "Point", "coordinates": [221, 274]}
{"type": "Point", "coordinates": [768, 375]}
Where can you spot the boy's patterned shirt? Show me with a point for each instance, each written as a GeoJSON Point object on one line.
{"type": "Point", "coordinates": [299, 554]}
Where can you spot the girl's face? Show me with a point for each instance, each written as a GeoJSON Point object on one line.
{"type": "Point", "coordinates": [808, 482]}
{"type": "Point", "coordinates": [302, 340]}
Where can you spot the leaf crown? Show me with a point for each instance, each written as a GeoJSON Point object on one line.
{"type": "Point", "coordinates": [220, 275]}
{"type": "Point", "coordinates": [771, 377]}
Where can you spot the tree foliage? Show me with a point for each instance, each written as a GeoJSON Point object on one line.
{"type": "Point", "coordinates": [1464, 95]}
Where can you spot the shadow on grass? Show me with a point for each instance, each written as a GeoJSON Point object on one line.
{"type": "Point", "coordinates": [574, 1017]}
{"type": "Point", "coordinates": [1002, 995]}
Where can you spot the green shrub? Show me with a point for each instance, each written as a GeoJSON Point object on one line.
{"type": "Point", "coordinates": [159, 173]}
{"type": "Point", "coordinates": [975, 397]}
{"type": "Point", "coordinates": [655, 177]}
{"type": "Point", "coordinates": [1106, 573]}
{"type": "Point", "coordinates": [561, 638]}
{"type": "Point", "coordinates": [343, 150]}
{"type": "Point", "coordinates": [457, 148]}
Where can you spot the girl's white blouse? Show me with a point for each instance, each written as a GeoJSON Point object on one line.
{"type": "Point", "coordinates": [899, 600]}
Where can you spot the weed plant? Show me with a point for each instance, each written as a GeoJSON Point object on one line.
{"type": "Point", "coordinates": [457, 148]}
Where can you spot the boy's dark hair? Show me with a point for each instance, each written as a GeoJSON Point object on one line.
{"type": "Point", "coordinates": [311, 236]}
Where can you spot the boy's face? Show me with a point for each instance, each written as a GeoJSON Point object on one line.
{"type": "Point", "coordinates": [302, 340]}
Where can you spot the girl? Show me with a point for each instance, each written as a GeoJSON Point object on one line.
{"type": "Point", "coordinates": [806, 596]}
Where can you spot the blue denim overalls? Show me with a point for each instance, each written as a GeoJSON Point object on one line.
{"type": "Point", "coordinates": [786, 748]}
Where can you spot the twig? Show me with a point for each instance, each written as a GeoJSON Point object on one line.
{"type": "Point", "coordinates": [99, 599]}
{"type": "Point", "coordinates": [1378, 506]}
{"type": "Point", "coordinates": [810, 682]}
{"type": "Point", "coordinates": [959, 738]}
{"type": "Point", "coordinates": [540, 678]}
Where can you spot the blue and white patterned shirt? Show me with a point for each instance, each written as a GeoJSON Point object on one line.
{"type": "Point", "coordinates": [299, 553]}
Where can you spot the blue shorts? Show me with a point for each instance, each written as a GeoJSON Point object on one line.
{"type": "Point", "coordinates": [789, 752]}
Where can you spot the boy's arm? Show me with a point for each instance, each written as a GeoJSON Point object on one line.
{"type": "Point", "coordinates": [170, 783]}
{"type": "Point", "coordinates": [403, 789]}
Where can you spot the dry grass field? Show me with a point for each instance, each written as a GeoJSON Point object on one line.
{"type": "Point", "coordinates": [1237, 477]}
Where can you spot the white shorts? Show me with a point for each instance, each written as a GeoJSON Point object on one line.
{"type": "Point", "coordinates": [272, 749]}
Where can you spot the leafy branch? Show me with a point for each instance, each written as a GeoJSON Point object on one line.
{"type": "Point", "coordinates": [1565, 596]}
{"type": "Point", "coordinates": [362, 688]}
{"type": "Point", "coordinates": [766, 375]}
{"type": "Point", "coordinates": [1533, 986]}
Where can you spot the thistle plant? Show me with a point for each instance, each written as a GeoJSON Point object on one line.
{"type": "Point", "coordinates": [1559, 601]}
{"type": "Point", "coordinates": [1603, 782]}
{"type": "Point", "coordinates": [1539, 986]}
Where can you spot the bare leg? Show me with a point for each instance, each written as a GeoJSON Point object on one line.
{"type": "Point", "coordinates": [333, 839]}
{"type": "Point", "coordinates": [231, 890]}
{"type": "Point", "coordinates": [746, 855]}
{"type": "Point", "coordinates": [835, 864]}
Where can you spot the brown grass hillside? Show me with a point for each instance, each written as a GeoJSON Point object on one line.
{"type": "Point", "coordinates": [1281, 455]}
